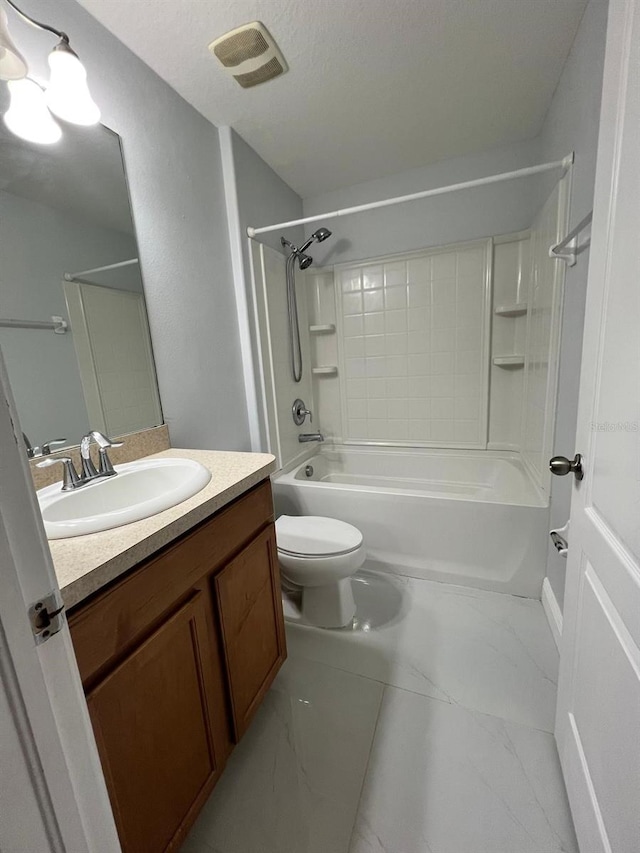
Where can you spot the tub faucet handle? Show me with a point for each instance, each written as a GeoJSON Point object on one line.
{"type": "Point", "coordinates": [299, 412]}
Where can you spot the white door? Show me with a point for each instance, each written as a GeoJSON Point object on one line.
{"type": "Point", "coordinates": [598, 717]}
{"type": "Point", "coordinates": [52, 791]}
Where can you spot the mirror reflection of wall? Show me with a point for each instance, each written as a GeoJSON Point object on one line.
{"type": "Point", "coordinates": [64, 212]}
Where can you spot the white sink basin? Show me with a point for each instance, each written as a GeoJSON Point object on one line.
{"type": "Point", "coordinates": [139, 490]}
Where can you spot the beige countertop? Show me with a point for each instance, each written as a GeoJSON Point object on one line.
{"type": "Point", "coordinates": [84, 564]}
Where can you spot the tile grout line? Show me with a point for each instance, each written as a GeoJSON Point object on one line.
{"type": "Point", "coordinates": [386, 684]}
{"type": "Point", "coordinates": [366, 769]}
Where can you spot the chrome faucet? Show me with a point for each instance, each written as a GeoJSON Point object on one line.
{"type": "Point", "coordinates": [73, 480]}
{"type": "Point", "coordinates": [89, 470]}
{"type": "Point", "coordinates": [105, 468]}
{"type": "Point", "coordinates": [305, 437]}
{"type": "Point", "coordinates": [44, 450]}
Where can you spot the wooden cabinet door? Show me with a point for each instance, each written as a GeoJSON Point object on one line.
{"type": "Point", "coordinates": [250, 608]}
{"type": "Point", "coordinates": [155, 733]}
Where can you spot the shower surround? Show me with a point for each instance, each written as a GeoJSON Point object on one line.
{"type": "Point", "coordinates": [421, 369]}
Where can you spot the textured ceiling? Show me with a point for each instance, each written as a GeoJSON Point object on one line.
{"type": "Point", "coordinates": [375, 86]}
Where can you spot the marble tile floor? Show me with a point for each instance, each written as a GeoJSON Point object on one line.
{"type": "Point", "coordinates": [425, 729]}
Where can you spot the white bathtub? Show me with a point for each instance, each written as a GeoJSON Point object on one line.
{"type": "Point", "coordinates": [456, 516]}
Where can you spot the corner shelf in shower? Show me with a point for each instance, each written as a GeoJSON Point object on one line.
{"type": "Point", "coordinates": [517, 309]}
{"type": "Point", "coordinates": [326, 370]}
{"type": "Point", "coordinates": [323, 329]}
{"type": "Point", "coordinates": [509, 361]}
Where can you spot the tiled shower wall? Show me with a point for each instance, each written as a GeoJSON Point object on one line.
{"type": "Point", "coordinates": [420, 355]}
{"type": "Point", "coordinates": [410, 350]}
{"type": "Point", "coordinates": [412, 341]}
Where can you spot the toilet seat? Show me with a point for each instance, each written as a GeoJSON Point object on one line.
{"type": "Point", "coordinates": [314, 536]}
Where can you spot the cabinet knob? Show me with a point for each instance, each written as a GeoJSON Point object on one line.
{"type": "Point", "coordinates": [560, 466]}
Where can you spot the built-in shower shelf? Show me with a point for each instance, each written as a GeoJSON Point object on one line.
{"type": "Point", "coordinates": [322, 329]}
{"type": "Point", "coordinates": [509, 361]}
{"type": "Point", "coordinates": [326, 370]}
{"type": "Point", "coordinates": [517, 309]}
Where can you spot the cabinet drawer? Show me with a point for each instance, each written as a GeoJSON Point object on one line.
{"type": "Point", "coordinates": [250, 610]}
{"type": "Point", "coordinates": [156, 733]}
{"type": "Point", "coordinates": [106, 627]}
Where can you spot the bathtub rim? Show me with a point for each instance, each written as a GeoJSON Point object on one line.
{"type": "Point", "coordinates": [286, 474]}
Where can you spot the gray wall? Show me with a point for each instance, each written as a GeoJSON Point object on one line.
{"type": "Point", "coordinates": [263, 197]}
{"type": "Point", "coordinates": [172, 156]}
{"type": "Point", "coordinates": [38, 245]}
{"type": "Point", "coordinates": [572, 124]}
{"type": "Point", "coordinates": [465, 215]}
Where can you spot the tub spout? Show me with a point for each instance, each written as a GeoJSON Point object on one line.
{"type": "Point", "coordinates": [310, 436]}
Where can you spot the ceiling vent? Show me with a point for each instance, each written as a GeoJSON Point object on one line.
{"type": "Point", "coordinates": [249, 54]}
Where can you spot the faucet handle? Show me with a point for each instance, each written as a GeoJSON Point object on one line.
{"type": "Point", "coordinates": [102, 441]}
{"type": "Point", "coordinates": [299, 412]}
{"type": "Point", "coordinates": [71, 478]}
{"type": "Point", "coordinates": [46, 447]}
{"type": "Point", "coordinates": [105, 468]}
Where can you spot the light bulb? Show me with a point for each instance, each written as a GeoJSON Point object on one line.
{"type": "Point", "coordinates": [67, 94]}
{"type": "Point", "coordinates": [12, 64]}
{"type": "Point", "coordinates": [28, 116]}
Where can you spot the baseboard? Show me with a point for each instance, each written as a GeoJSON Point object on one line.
{"type": "Point", "coordinates": [552, 611]}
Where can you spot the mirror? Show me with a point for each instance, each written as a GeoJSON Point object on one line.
{"type": "Point", "coordinates": [68, 250]}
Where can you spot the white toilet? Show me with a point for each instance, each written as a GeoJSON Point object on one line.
{"type": "Point", "coordinates": [318, 556]}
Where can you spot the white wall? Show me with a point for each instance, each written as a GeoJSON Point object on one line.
{"type": "Point", "coordinates": [452, 218]}
{"type": "Point", "coordinates": [39, 245]}
{"type": "Point", "coordinates": [572, 124]}
{"type": "Point", "coordinates": [172, 156]}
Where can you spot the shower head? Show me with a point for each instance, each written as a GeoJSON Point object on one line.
{"type": "Point", "coordinates": [305, 260]}
{"type": "Point", "coordinates": [317, 236]}
{"type": "Point", "coordinates": [321, 234]}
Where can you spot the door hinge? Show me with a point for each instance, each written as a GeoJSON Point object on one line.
{"type": "Point", "coordinates": [47, 616]}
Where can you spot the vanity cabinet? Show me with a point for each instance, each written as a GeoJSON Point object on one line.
{"type": "Point", "coordinates": [250, 607]}
{"type": "Point", "coordinates": [175, 658]}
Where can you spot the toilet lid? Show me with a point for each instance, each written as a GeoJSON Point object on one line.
{"type": "Point", "coordinates": [316, 536]}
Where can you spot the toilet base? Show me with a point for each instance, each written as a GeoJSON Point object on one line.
{"type": "Point", "coordinates": [329, 606]}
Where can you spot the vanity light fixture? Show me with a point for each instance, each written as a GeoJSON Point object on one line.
{"type": "Point", "coordinates": [67, 94]}
{"type": "Point", "coordinates": [13, 65]}
{"type": "Point", "coordinates": [28, 116]}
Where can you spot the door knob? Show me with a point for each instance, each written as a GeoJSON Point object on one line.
{"type": "Point", "coordinates": [560, 465]}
